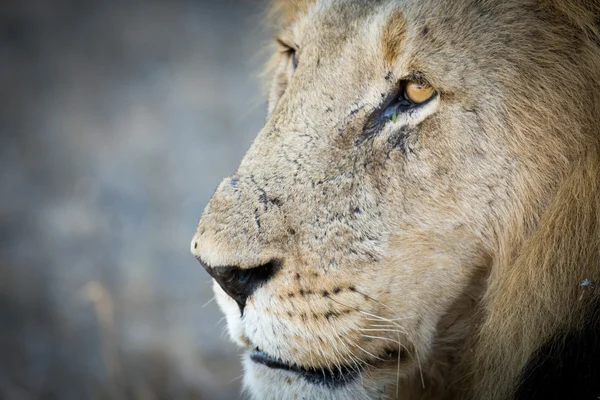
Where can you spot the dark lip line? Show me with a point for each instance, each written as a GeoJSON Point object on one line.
{"type": "Point", "coordinates": [330, 377]}
{"type": "Point", "coordinates": [319, 376]}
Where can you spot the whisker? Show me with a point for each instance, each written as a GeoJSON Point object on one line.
{"type": "Point", "coordinates": [219, 321]}
{"type": "Point", "coordinates": [389, 320]}
{"type": "Point", "coordinates": [209, 301]}
{"type": "Point", "coordinates": [377, 317]}
{"type": "Point", "coordinates": [374, 325]}
{"type": "Point", "coordinates": [398, 376]}
{"type": "Point", "coordinates": [235, 379]}
{"type": "Point", "coordinates": [397, 319]}
{"type": "Point", "coordinates": [353, 357]}
{"type": "Point", "coordinates": [371, 354]}
{"type": "Point", "coordinates": [388, 339]}
{"type": "Point", "coordinates": [420, 369]}
{"type": "Point", "coordinates": [337, 361]}
{"type": "Point", "coordinates": [379, 330]}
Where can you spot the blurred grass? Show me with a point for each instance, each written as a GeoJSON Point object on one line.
{"type": "Point", "coordinates": [117, 121]}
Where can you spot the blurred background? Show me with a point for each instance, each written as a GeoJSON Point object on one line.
{"type": "Point", "coordinates": [118, 118]}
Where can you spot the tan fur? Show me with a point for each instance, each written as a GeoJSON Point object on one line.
{"type": "Point", "coordinates": [393, 37]}
{"type": "Point", "coordinates": [459, 235]}
{"type": "Point", "coordinates": [284, 12]}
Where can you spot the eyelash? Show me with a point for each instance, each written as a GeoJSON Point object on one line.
{"type": "Point", "coordinates": [289, 51]}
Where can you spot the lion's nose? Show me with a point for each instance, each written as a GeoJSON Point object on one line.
{"type": "Point", "coordinates": [240, 283]}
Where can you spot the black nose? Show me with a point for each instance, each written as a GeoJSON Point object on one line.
{"type": "Point", "coordinates": [240, 283]}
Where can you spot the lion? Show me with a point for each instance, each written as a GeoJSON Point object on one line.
{"type": "Point", "coordinates": [419, 218]}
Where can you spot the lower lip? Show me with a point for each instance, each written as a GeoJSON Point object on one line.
{"type": "Point", "coordinates": [317, 376]}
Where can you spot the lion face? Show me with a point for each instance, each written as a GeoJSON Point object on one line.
{"type": "Point", "coordinates": [351, 246]}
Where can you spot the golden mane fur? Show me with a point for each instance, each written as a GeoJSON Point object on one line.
{"type": "Point", "coordinates": [530, 296]}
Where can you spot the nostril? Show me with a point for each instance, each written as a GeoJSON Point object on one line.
{"type": "Point", "coordinates": [240, 283]}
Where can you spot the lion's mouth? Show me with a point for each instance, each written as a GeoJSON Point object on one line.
{"type": "Point", "coordinates": [331, 377]}
{"type": "Point", "coordinates": [322, 376]}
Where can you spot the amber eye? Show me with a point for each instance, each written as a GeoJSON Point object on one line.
{"type": "Point", "coordinates": [418, 93]}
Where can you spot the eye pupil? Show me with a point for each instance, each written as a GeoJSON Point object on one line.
{"type": "Point", "coordinates": [294, 60]}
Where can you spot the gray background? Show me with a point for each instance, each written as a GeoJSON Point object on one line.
{"type": "Point", "coordinates": [117, 121]}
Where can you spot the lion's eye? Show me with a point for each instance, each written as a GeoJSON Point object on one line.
{"type": "Point", "coordinates": [286, 60]}
{"type": "Point", "coordinates": [412, 95]}
{"type": "Point", "coordinates": [290, 51]}
{"type": "Point", "coordinates": [418, 93]}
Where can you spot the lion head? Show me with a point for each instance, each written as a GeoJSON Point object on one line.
{"type": "Point", "coordinates": [420, 212]}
